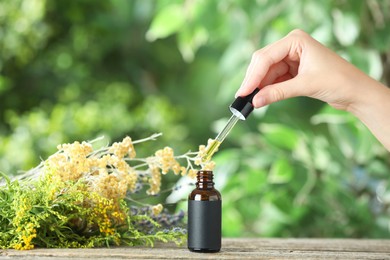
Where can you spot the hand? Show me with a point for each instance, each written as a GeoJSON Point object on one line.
{"type": "Point", "coordinates": [298, 65]}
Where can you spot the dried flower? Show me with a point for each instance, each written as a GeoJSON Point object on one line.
{"type": "Point", "coordinates": [157, 209]}
{"type": "Point", "coordinates": [81, 192]}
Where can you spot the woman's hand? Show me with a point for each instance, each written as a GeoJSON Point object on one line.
{"type": "Point", "coordinates": [298, 65]}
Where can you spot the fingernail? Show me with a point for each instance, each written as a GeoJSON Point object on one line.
{"type": "Point", "coordinates": [238, 93]}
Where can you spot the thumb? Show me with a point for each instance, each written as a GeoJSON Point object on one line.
{"type": "Point", "coordinates": [277, 92]}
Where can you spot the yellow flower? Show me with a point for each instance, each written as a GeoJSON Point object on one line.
{"type": "Point", "coordinates": [192, 173]}
{"type": "Point", "coordinates": [166, 160]}
{"type": "Point", "coordinates": [27, 234]}
{"type": "Point", "coordinates": [154, 182]}
{"type": "Point", "coordinates": [209, 166]}
{"type": "Point", "coordinates": [157, 209]}
{"type": "Point", "coordinates": [123, 148]}
{"type": "Point", "coordinates": [183, 171]}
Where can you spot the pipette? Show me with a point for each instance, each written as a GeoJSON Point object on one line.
{"type": "Point", "coordinates": [240, 108]}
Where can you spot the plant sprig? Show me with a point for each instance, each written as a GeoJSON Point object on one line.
{"type": "Point", "coordinates": [79, 196]}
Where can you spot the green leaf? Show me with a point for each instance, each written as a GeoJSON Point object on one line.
{"type": "Point", "coordinates": [346, 27]}
{"type": "Point", "coordinates": [280, 135]}
{"type": "Point", "coordinates": [331, 115]}
{"type": "Point", "coordinates": [281, 172]}
{"type": "Point", "coordinates": [167, 21]}
{"type": "Point", "coordinates": [321, 154]}
{"type": "Point", "coordinates": [232, 221]}
{"type": "Point", "coordinates": [227, 162]}
{"type": "Point", "coordinates": [254, 181]}
{"type": "Point", "coordinates": [271, 218]}
{"type": "Point", "coordinates": [189, 42]}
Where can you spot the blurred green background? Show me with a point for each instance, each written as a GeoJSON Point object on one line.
{"type": "Point", "coordinates": [75, 70]}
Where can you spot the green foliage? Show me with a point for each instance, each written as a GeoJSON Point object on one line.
{"type": "Point", "coordinates": [49, 213]}
{"type": "Point", "coordinates": [82, 197]}
{"type": "Point", "coordinates": [331, 183]}
{"type": "Point", "coordinates": [72, 70]}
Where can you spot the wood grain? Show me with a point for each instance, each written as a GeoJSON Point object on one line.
{"type": "Point", "coordinates": [232, 248]}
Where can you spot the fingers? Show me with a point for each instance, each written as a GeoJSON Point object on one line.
{"type": "Point", "coordinates": [261, 63]}
{"type": "Point", "coordinates": [286, 87]}
{"type": "Point", "coordinates": [277, 70]}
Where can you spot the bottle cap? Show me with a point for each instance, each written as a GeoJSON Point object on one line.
{"type": "Point", "coordinates": [242, 106]}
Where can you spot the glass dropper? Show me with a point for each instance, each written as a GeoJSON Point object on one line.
{"type": "Point", "coordinates": [213, 147]}
{"type": "Point", "coordinates": [240, 108]}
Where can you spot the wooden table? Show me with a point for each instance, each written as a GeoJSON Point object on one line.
{"type": "Point", "coordinates": [232, 248]}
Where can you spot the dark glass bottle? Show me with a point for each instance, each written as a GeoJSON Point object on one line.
{"type": "Point", "coordinates": [204, 215]}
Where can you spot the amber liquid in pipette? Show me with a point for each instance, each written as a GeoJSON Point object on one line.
{"type": "Point", "coordinates": [213, 147]}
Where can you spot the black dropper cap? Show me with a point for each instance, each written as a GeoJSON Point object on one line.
{"type": "Point", "coordinates": [242, 106]}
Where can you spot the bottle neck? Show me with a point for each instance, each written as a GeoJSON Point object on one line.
{"type": "Point", "coordinates": [205, 180]}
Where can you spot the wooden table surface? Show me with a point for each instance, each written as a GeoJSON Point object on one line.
{"type": "Point", "coordinates": [232, 248]}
